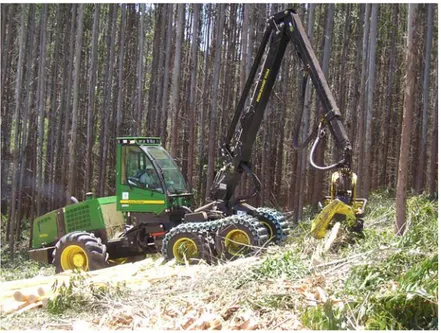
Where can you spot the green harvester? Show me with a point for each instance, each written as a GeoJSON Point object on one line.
{"type": "Point", "coordinates": [94, 233]}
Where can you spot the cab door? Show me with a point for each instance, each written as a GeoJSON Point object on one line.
{"type": "Point", "coordinates": [134, 195]}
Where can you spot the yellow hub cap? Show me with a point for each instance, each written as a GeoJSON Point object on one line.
{"type": "Point", "coordinates": [185, 248]}
{"type": "Point", "coordinates": [74, 257]}
{"type": "Point", "coordinates": [236, 241]}
{"type": "Point", "coordinates": [270, 230]}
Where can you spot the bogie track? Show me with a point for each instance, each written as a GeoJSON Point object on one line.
{"type": "Point", "coordinates": [274, 221]}
{"type": "Point", "coordinates": [226, 238]}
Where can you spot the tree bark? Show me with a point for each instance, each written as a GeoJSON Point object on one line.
{"type": "Point", "coordinates": [139, 90]}
{"type": "Point", "coordinates": [73, 131]}
{"type": "Point", "coordinates": [155, 71]}
{"type": "Point", "coordinates": [400, 215]}
{"type": "Point", "coordinates": [164, 107]}
{"type": "Point", "coordinates": [41, 107]}
{"type": "Point", "coordinates": [362, 101]}
{"type": "Point", "coordinates": [122, 40]}
{"type": "Point", "coordinates": [389, 95]}
{"type": "Point", "coordinates": [107, 105]}
{"type": "Point", "coordinates": [370, 102]}
{"type": "Point", "coordinates": [16, 120]}
{"type": "Point", "coordinates": [91, 97]}
{"type": "Point", "coordinates": [305, 124]}
{"type": "Point", "coordinates": [432, 177]}
{"type": "Point", "coordinates": [356, 92]}
{"type": "Point", "coordinates": [220, 15]}
{"type": "Point", "coordinates": [202, 157]}
{"type": "Point", "coordinates": [193, 84]}
{"type": "Point", "coordinates": [318, 182]}
{"type": "Point", "coordinates": [176, 75]}
{"type": "Point", "coordinates": [420, 172]}
{"type": "Point", "coordinates": [67, 108]}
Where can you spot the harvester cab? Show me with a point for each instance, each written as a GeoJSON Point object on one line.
{"type": "Point", "coordinates": [148, 179]}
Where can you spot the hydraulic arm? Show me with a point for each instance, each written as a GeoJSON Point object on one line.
{"type": "Point", "coordinates": [282, 28]}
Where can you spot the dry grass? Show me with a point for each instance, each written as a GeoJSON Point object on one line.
{"type": "Point", "coordinates": [288, 288]}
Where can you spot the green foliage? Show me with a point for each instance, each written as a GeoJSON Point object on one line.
{"type": "Point", "coordinates": [68, 296]}
{"type": "Point", "coordinates": [287, 265]}
{"type": "Point", "coordinates": [398, 287]}
{"type": "Point", "coordinates": [325, 317]}
{"type": "Point", "coordinates": [80, 295]}
{"type": "Point", "coordinates": [21, 267]}
{"type": "Point", "coordinates": [414, 305]}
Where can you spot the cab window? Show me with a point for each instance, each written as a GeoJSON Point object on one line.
{"type": "Point", "coordinates": [138, 170]}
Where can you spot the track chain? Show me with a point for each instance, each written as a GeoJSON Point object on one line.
{"type": "Point", "coordinates": [209, 229]}
{"type": "Point", "coordinates": [278, 220]}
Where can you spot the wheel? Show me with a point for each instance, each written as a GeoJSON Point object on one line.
{"type": "Point", "coordinates": [79, 250]}
{"type": "Point", "coordinates": [240, 236]}
{"type": "Point", "coordinates": [186, 247]}
{"type": "Point", "coordinates": [274, 222]}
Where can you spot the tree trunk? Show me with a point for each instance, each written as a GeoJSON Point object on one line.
{"type": "Point", "coordinates": [202, 158]}
{"type": "Point", "coordinates": [26, 111]}
{"type": "Point", "coordinates": [73, 131]}
{"type": "Point", "coordinates": [16, 121]}
{"type": "Point", "coordinates": [362, 100]}
{"type": "Point", "coordinates": [41, 106]}
{"type": "Point", "coordinates": [156, 130]}
{"type": "Point", "coordinates": [389, 95]}
{"type": "Point", "coordinates": [155, 70]}
{"type": "Point", "coordinates": [67, 112]}
{"type": "Point", "coordinates": [400, 216]}
{"type": "Point", "coordinates": [107, 105]}
{"type": "Point", "coordinates": [370, 102]}
{"type": "Point", "coordinates": [91, 97]}
{"type": "Point", "coordinates": [139, 90]}
{"type": "Point", "coordinates": [220, 16]}
{"type": "Point", "coordinates": [164, 107]}
{"type": "Point", "coordinates": [356, 92]}
{"type": "Point", "coordinates": [122, 40]}
{"type": "Point", "coordinates": [419, 182]}
{"type": "Point", "coordinates": [305, 124]}
{"type": "Point", "coordinates": [176, 76]}
{"type": "Point", "coordinates": [193, 84]}
{"type": "Point", "coordinates": [318, 182]}
{"type": "Point", "coordinates": [433, 171]}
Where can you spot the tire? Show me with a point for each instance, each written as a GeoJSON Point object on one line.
{"type": "Point", "coordinates": [239, 237]}
{"type": "Point", "coordinates": [186, 247]}
{"type": "Point", "coordinates": [79, 250]}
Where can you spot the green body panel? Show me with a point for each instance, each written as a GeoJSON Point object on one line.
{"type": "Point", "coordinates": [89, 215]}
{"type": "Point", "coordinates": [45, 230]}
{"type": "Point", "coordinates": [133, 199]}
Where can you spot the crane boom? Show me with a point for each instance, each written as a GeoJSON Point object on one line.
{"type": "Point", "coordinates": [282, 28]}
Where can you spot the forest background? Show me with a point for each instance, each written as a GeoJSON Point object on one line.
{"type": "Point", "coordinates": [76, 76]}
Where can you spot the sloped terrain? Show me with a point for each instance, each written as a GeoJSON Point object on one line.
{"type": "Point", "coordinates": [378, 281]}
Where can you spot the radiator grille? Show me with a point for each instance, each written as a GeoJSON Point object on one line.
{"type": "Point", "coordinates": [78, 218]}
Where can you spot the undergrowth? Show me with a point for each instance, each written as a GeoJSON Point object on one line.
{"type": "Point", "coordinates": [398, 288]}
{"type": "Point", "coordinates": [79, 295]}
{"type": "Point", "coordinates": [391, 284]}
{"type": "Point", "coordinates": [21, 267]}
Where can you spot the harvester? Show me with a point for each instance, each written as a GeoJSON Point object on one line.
{"type": "Point", "coordinates": [152, 207]}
